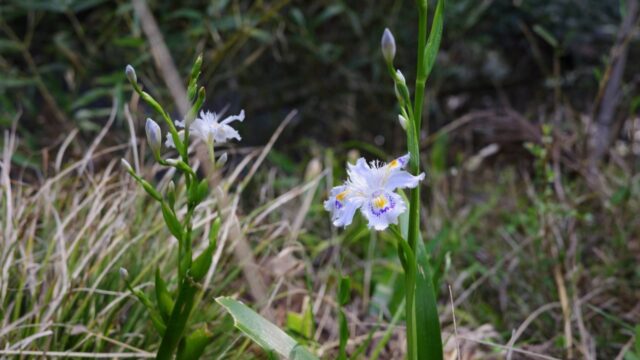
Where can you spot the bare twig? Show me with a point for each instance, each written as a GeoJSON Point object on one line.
{"type": "Point", "coordinates": [609, 94]}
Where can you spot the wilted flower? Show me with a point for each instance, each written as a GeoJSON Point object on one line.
{"type": "Point", "coordinates": [153, 136]}
{"type": "Point", "coordinates": [371, 188]}
{"type": "Point", "coordinates": [388, 46]}
{"type": "Point", "coordinates": [210, 130]}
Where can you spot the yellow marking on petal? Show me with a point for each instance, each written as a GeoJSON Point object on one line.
{"type": "Point", "coordinates": [341, 196]}
{"type": "Point", "coordinates": [380, 202]}
{"type": "Point", "coordinates": [394, 164]}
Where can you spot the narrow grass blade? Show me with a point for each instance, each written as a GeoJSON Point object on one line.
{"type": "Point", "coordinates": [264, 333]}
{"type": "Point", "coordinates": [433, 43]}
{"type": "Point", "coordinates": [344, 291]}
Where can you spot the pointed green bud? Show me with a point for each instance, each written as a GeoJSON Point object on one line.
{"type": "Point", "coordinates": [126, 165]}
{"type": "Point", "coordinates": [222, 160]}
{"type": "Point", "coordinates": [400, 77]}
{"type": "Point", "coordinates": [124, 274]}
{"type": "Point", "coordinates": [131, 75]}
{"type": "Point", "coordinates": [197, 65]}
{"type": "Point", "coordinates": [402, 121]}
{"type": "Point", "coordinates": [401, 89]}
{"type": "Point", "coordinates": [154, 137]}
{"type": "Point", "coordinates": [388, 46]}
{"type": "Point", "coordinates": [192, 88]}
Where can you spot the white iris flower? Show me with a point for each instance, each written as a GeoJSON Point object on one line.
{"type": "Point", "coordinates": [371, 188]}
{"type": "Point", "coordinates": [209, 129]}
{"type": "Point", "coordinates": [168, 142]}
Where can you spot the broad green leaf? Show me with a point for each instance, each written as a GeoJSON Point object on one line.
{"type": "Point", "coordinates": [202, 263]}
{"type": "Point", "coordinates": [192, 347]}
{"type": "Point", "coordinates": [344, 335]}
{"type": "Point", "coordinates": [302, 323]}
{"type": "Point", "coordinates": [426, 306]}
{"type": "Point", "coordinates": [637, 344]}
{"type": "Point", "coordinates": [172, 222]}
{"type": "Point", "coordinates": [427, 320]}
{"type": "Point", "coordinates": [264, 333]}
{"type": "Point", "coordinates": [164, 300]}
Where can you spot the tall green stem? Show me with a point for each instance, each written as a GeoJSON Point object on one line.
{"type": "Point", "coordinates": [178, 321]}
{"type": "Point", "coordinates": [414, 202]}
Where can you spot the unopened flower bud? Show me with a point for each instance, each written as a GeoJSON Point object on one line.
{"type": "Point", "coordinates": [222, 159]}
{"type": "Point", "coordinates": [154, 137]}
{"type": "Point", "coordinates": [126, 165]}
{"type": "Point", "coordinates": [400, 78]}
{"type": "Point", "coordinates": [402, 121]}
{"type": "Point", "coordinates": [172, 162]}
{"type": "Point", "coordinates": [388, 46]}
{"type": "Point", "coordinates": [131, 74]}
{"type": "Point", "coordinates": [124, 274]}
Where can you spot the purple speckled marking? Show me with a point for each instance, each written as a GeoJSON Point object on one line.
{"type": "Point", "coordinates": [390, 205]}
{"type": "Point", "coordinates": [338, 204]}
{"type": "Point", "coordinates": [402, 160]}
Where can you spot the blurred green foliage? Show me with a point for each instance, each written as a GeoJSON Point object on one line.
{"type": "Point", "coordinates": [61, 68]}
{"type": "Point", "coordinates": [62, 60]}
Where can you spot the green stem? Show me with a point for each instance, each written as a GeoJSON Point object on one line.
{"type": "Point", "coordinates": [412, 346]}
{"type": "Point", "coordinates": [184, 256]}
{"type": "Point", "coordinates": [413, 134]}
{"type": "Point", "coordinates": [185, 154]}
{"type": "Point", "coordinates": [410, 269]}
{"type": "Point", "coordinates": [178, 321]}
{"type": "Point", "coordinates": [212, 154]}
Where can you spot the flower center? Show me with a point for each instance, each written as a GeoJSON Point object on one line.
{"type": "Point", "coordinates": [381, 203]}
